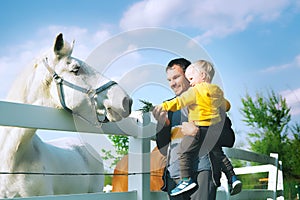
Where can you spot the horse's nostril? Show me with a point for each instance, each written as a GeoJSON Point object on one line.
{"type": "Point", "coordinates": [130, 102]}
{"type": "Point", "coordinates": [127, 103]}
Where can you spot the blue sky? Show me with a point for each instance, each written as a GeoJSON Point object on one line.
{"type": "Point", "coordinates": [255, 45]}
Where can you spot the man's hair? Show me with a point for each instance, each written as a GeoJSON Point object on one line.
{"type": "Point", "coordinates": [206, 66]}
{"type": "Point", "coordinates": [182, 62]}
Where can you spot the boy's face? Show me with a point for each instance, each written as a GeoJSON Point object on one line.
{"type": "Point", "coordinates": [193, 76]}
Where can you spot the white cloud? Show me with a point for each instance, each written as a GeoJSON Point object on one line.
{"type": "Point", "coordinates": [293, 100]}
{"type": "Point", "coordinates": [297, 61]}
{"type": "Point", "coordinates": [295, 110]}
{"type": "Point", "coordinates": [292, 96]}
{"type": "Point", "coordinates": [85, 40]}
{"type": "Point", "coordinates": [278, 68]}
{"type": "Point", "coordinates": [214, 18]}
{"type": "Point", "coordinates": [101, 35]}
{"type": "Point", "coordinates": [17, 58]}
{"type": "Point", "coordinates": [20, 55]}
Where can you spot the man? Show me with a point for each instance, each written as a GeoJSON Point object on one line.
{"type": "Point", "coordinates": [169, 135]}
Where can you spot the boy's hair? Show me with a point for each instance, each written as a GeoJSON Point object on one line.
{"type": "Point", "coordinates": [182, 62]}
{"type": "Point", "coordinates": [205, 66]}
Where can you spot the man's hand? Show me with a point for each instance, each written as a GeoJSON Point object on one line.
{"type": "Point", "coordinates": [189, 128]}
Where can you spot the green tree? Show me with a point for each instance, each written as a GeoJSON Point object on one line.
{"type": "Point", "coordinates": [293, 151]}
{"type": "Point", "coordinates": [268, 119]}
{"type": "Point", "coordinates": [120, 142]}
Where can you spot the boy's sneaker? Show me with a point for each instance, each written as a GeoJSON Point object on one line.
{"type": "Point", "coordinates": [183, 186]}
{"type": "Point", "coordinates": [236, 186]}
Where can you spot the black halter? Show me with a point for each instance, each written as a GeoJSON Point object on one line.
{"type": "Point", "coordinates": [92, 93]}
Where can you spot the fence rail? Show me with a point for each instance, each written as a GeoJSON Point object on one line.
{"type": "Point", "coordinates": [17, 115]}
{"type": "Point", "coordinates": [269, 164]}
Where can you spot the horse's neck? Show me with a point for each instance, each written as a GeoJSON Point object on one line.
{"type": "Point", "coordinates": [31, 87]}
{"type": "Point", "coordinates": [14, 143]}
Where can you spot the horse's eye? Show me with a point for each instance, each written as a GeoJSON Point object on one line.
{"type": "Point", "coordinates": [75, 69]}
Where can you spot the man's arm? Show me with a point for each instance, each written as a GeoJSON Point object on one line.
{"type": "Point", "coordinates": [163, 129]}
{"type": "Point", "coordinates": [163, 138]}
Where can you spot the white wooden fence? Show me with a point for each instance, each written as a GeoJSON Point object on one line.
{"type": "Point", "coordinates": [269, 164]}
{"type": "Point", "coordinates": [29, 116]}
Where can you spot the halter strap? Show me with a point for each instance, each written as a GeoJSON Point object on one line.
{"type": "Point", "coordinates": [105, 86]}
{"type": "Point", "coordinates": [90, 92]}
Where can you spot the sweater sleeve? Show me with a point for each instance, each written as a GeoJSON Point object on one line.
{"type": "Point", "coordinates": [185, 99]}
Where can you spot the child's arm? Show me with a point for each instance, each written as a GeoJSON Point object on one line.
{"type": "Point", "coordinates": [185, 99]}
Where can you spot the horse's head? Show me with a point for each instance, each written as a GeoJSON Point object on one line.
{"type": "Point", "coordinates": [78, 88]}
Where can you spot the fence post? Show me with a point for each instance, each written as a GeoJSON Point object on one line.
{"type": "Point", "coordinates": [139, 163]}
{"type": "Point", "coordinates": [280, 181]}
{"type": "Point", "coordinates": [273, 175]}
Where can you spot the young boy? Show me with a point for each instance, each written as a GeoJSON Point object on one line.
{"type": "Point", "coordinates": [206, 105]}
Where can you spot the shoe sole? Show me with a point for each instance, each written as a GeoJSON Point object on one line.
{"type": "Point", "coordinates": [236, 187]}
{"type": "Point", "coordinates": [191, 186]}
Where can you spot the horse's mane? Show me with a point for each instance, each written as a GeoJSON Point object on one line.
{"type": "Point", "coordinates": [20, 84]}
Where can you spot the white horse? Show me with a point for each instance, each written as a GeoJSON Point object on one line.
{"type": "Point", "coordinates": [61, 81]}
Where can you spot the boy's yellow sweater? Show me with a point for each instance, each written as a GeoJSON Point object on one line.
{"type": "Point", "coordinates": [204, 102]}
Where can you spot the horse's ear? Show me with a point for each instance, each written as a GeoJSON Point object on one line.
{"type": "Point", "coordinates": [59, 43]}
{"type": "Point", "coordinates": [72, 45]}
{"type": "Point", "coordinates": [61, 47]}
